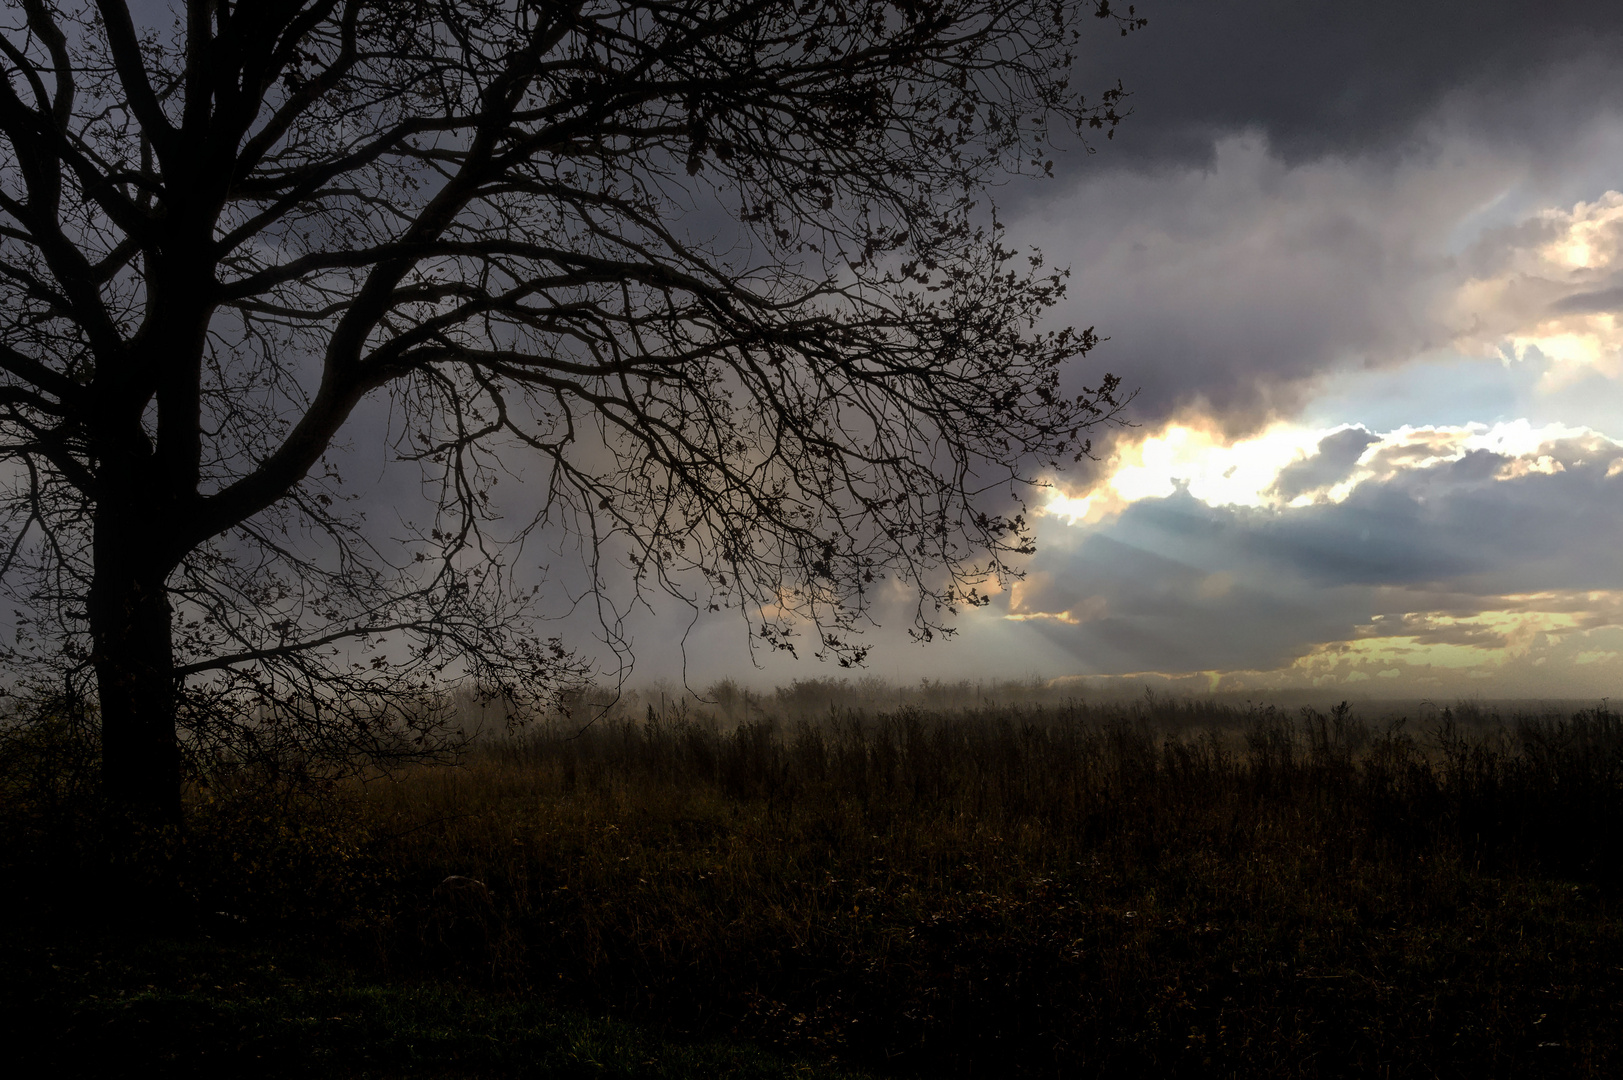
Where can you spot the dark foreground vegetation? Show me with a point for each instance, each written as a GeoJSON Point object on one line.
{"type": "Point", "coordinates": [1166, 889]}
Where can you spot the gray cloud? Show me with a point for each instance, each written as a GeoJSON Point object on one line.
{"type": "Point", "coordinates": [1590, 303]}
{"type": "Point", "coordinates": [1231, 291]}
{"type": "Point", "coordinates": [1337, 455]}
{"type": "Point", "coordinates": [1167, 612]}
{"type": "Point", "coordinates": [1190, 587]}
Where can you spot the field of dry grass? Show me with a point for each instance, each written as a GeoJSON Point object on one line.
{"type": "Point", "coordinates": [1014, 888]}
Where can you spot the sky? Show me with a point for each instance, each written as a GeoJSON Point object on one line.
{"type": "Point", "coordinates": [1364, 265]}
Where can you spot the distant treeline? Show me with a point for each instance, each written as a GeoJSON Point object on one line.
{"type": "Point", "coordinates": [732, 702]}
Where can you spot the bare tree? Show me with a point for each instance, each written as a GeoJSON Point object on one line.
{"type": "Point", "coordinates": [715, 270]}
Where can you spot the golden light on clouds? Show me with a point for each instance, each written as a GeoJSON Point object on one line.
{"type": "Point", "coordinates": [1548, 288]}
{"type": "Point", "coordinates": [1591, 234]}
{"type": "Point", "coordinates": [1216, 472]}
{"type": "Point", "coordinates": [1555, 634]}
{"type": "Point", "coordinates": [1529, 630]}
{"type": "Point", "coordinates": [1507, 642]}
{"type": "Point", "coordinates": [1429, 646]}
{"type": "Point", "coordinates": [1062, 505]}
{"type": "Point", "coordinates": [1192, 454]}
{"type": "Point", "coordinates": [1247, 472]}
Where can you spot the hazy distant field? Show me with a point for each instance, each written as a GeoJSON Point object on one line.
{"type": "Point", "coordinates": [1003, 882]}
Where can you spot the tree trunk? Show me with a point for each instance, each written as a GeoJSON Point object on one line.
{"type": "Point", "coordinates": [135, 673]}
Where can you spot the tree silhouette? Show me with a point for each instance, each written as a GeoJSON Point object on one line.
{"type": "Point", "coordinates": [717, 276]}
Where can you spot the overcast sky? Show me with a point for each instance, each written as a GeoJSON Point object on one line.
{"type": "Point", "coordinates": [1365, 263]}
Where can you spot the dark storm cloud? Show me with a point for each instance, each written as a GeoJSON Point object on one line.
{"type": "Point", "coordinates": [1352, 78]}
{"type": "Point", "coordinates": [1228, 292]}
{"type": "Point", "coordinates": [1283, 201]}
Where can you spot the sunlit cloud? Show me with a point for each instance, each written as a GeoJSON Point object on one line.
{"type": "Point", "coordinates": [1215, 472]}
{"type": "Point", "coordinates": [1292, 466]}
{"type": "Point", "coordinates": [1192, 455]}
{"type": "Point", "coordinates": [1564, 638]}
{"type": "Point", "coordinates": [1550, 290]}
{"type": "Point", "coordinates": [1528, 632]}
{"type": "Point", "coordinates": [1061, 505]}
